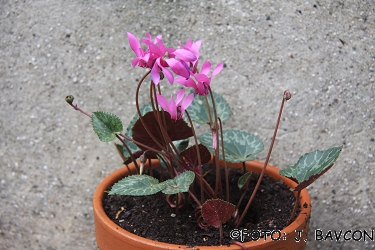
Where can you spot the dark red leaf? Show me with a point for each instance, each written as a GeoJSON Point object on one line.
{"type": "Point", "coordinates": [191, 156]}
{"type": "Point", "coordinates": [216, 212]}
{"type": "Point", "coordinates": [176, 130]}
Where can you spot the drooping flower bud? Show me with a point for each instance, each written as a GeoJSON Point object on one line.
{"type": "Point", "coordinates": [143, 160]}
{"type": "Point", "coordinates": [287, 95]}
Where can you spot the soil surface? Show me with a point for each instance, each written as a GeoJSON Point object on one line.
{"type": "Point", "coordinates": [151, 217]}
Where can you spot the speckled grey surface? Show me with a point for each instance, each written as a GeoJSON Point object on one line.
{"type": "Point", "coordinates": [51, 160]}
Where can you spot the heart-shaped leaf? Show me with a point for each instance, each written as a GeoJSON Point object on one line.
{"type": "Point", "coordinates": [106, 125]}
{"type": "Point", "coordinates": [243, 179]}
{"type": "Point", "coordinates": [137, 185]}
{"type": "Point", "coordinates": [240, 146]}
{"type": "Point", "coordinates": [198, 109]}
{"type": "Point", "coordinates": [216, 212]}
{"type": "Point", "coordinates": [311, 166]}
{"type": "Point", "coordinates": [180, 183]}
{"type": "Point", "coordinates": [176, 130]}
{"type": "Point", "coordinates": [191, 155]}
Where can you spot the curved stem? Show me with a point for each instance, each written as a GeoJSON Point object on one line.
{"type": "Point", "coordinates": [225, 162]}
{"type": "Point", "coordinates": [129, 151]}
{"type": "Point", "coordinates": [214, 128]}
{"type": "Point", "coordinates": [199, 157]}
{"type": "Point", "coordinates": [295, 208]}
{"type": "Point", "coordinates": [139, 111]}
{"type": "Point", "coordinates": [266, 162]}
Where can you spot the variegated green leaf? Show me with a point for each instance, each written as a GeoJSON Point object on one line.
{"type": "Point", "coordinates": [181, 145]}
{"type": "Point", "coordinates": [242, 180]}
{"type": "Point", "coordinates": [240, 146]}
{"type": "Point", "coordinates": [311, 164]}
{"type": "Point", "coordinates": [137, 185]}
{"type": "Point", "coordinates": [180, 183]}
{"type": "Point", "coordinates": [106, 125]}
{"type": "Point", "coordinates": [198, 109]}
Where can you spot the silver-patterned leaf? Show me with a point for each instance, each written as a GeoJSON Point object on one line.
{"type": "Point", "coordinates": [198, 109]}
{"type": "Point", "coordinates": [311, 164]}
{"type": "Point", "coordinates": [181, 183]}
{"type": "Point", "coordinates": [240, 146]}
{"type": "Point", "coordinates": [106, 125]}
{"type": "Point", "coordinates": [137, 185]}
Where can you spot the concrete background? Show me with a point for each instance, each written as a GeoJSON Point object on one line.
{"type": "Point", "coordinates": [51, 160]}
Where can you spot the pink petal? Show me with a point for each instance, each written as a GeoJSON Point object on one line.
{"type": "Point", "coordinates": [202, 78]}
{"type": "Point", "coordinates": [173, 109]}
{"type": "Point", "coordinates": [188, 44]}
{"type": "Point", "coordinates": [167, 74]}
{"type": "Point", "coordinates": [179, 96]}
{"type": "Point", "coordinates": [195, 48]}
{"type": "Point", "coordinates": [185, 55]}
{"type": "Point", "coordinates": [217, 70]}
{"type": "Point", "coordinates": [161, 46]}
{"type": "Point", "coordinates": [148, 36]}
{"type": "Point", "coordinates": [162, 101]}
{"type": "Point", "coordinates": [155, 75]}
{"type": "Point", "coordinates": [181, 80]}
{"type": "Point", "coordinates": [135, 62]}
{"type": "Point", "coordinates": [178, 67]}
{"type": "Point", "coordinates": [201, 90]}
{"type": "Point", "coordinates": [187, 83]}
{"type": "Point", "coordinates": [186, 102]}
{"type": "Point", "coordinates": [153, 48]}
{"type": "Point", "coordinates": [134, 43]}
{"type": "Point", "coordinates": [157, 37]}
{"type": "Point", "coordinates": [206, 67]}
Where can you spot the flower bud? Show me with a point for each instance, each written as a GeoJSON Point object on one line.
{"type": "Point", "coordinates": [287, 95]}
{"type": "Point", "coordinates": [69, 99]}
{"type": "Point", "coordinates": [142, 158]}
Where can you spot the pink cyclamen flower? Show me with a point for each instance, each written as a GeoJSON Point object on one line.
{"type": "Point", "coordinates": [194, 48]}
{"type": "Point", "coordinates": [159, 58]}
{"type": "Point", "coordinates": [177, 107]}
{"type": "Point", "coordinates": [202, 81]}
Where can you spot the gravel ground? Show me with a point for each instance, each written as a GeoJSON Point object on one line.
{"type": "Point", "coordinates": [51, 160]}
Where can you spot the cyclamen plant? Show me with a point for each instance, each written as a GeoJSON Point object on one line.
{"type": "Point", "coordinates": [164, 127]}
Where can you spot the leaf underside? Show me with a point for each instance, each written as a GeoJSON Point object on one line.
{"type": "Point", "coordinates": [176, 130]}
{"type": "Point", "coordinates": [190, 155]}
{"type": "Point", "coordinates": [240, 146]}
{"type": "Point", "coordinates": [216, 212]}
{"type": "Point", "coordinates": [311, 166]}
{"type": "Point", "coordinates": [145, 109]}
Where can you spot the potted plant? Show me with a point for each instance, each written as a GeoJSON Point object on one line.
{"type": "Point", "coordinates": [212, 177]}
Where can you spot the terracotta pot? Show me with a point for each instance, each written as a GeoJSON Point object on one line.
{"type": "Point", "coordinates": [110, 236]}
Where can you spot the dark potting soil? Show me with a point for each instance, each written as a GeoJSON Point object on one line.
{"type": "Point", "coordinates": [152, 218]}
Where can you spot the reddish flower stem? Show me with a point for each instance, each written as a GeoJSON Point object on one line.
{"type": "Point", "coordinates": [295, 208]}
{"type": "Point", "coordinates": [286, 96]}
